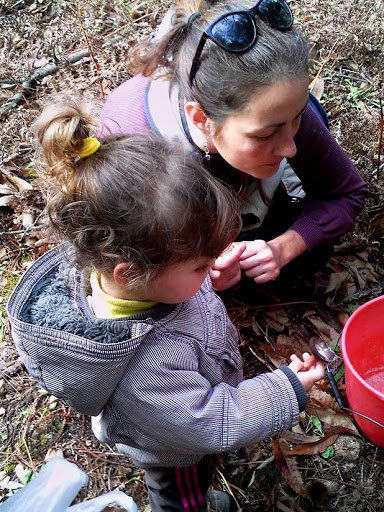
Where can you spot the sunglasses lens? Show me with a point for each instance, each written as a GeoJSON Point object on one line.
{"type": "Point", "coordinates": [234, 33]}
{"type": "Point", "coordinates": [276, 13]}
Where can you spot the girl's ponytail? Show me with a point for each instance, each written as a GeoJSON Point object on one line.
{"type": "Point", "coordinates": [61, 130]}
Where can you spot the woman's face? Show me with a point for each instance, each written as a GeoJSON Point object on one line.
{"type": "Point", "coordinates": [256, 139]}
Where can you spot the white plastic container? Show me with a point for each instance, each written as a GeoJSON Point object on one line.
{"type": "Point", "coordinates": [115, 498]}
{"type": "Point", "coordinates": [54, 489]}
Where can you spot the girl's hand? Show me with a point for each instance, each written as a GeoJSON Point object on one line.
{"type": "Point", "coordinates": [307, 378]}
{"type": "Point", "coordinates": [226, 271]}
{"type": "Point", "coordinates": [261, 261]}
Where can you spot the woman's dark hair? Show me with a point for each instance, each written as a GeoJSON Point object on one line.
{"type": "Point", "coordinates": [137, 199]}
{"type": "Point", "coordinates": [224, 82]}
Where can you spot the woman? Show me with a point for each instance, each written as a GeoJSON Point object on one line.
{"type": "Point", "coordinates": [234, 85]}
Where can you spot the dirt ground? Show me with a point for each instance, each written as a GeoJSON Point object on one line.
{"type": "Point", "coordinates": [51, 46]}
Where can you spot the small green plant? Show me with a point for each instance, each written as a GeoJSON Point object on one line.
{"type": "Point", "coordinates": [2, 321]}
{"type": "Point", "coordinates": [317, 426]}
{"type": "Point", "coordinates": [340, 374]}
{"type": "Point", "coordinates": [27, 476]}
{"type": "Point", "coordinates": [26, 411]}
{"type": "Point", "coordinates": [328, 452]}
{"type": "Point", "coordinates": [355, 94]}
{"type": "Point", "coordinates": [44, 441]}
{"type": "Point", "coordinates": [352, 308]}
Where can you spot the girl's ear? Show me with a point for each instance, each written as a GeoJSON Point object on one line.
{"type": "Point", "coordinates": [197, 116]}
{"type": "Point", "coordinates": [122, 273]}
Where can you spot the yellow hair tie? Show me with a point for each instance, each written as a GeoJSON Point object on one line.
{"type": "Point", "coordinates": [90, 146]}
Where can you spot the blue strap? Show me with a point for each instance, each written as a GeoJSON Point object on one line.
{"type": "Point", "coordinates": [318, 109]}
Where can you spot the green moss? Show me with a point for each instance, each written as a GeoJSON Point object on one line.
{"type": "Point", "coordinates": [44, 441]}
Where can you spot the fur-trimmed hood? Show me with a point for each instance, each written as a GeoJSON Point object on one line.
{"type": "Point", "coordinates": [61, 342]}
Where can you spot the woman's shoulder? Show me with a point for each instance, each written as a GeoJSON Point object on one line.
{"type": "Point", "coordinates": [124, 111]}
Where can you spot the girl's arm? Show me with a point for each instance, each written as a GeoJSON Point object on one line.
{"type": "Point", "coordinates": [170, 401]}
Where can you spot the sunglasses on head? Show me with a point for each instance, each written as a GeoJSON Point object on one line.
{"type": "Point", "coordinates": [236, 31]}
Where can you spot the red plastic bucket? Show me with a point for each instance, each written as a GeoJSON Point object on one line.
{"type": "Point", "coordinates": [362, 347]}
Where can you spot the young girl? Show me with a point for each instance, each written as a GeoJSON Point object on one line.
{"type": "Point", "coordinates": [122, 322]}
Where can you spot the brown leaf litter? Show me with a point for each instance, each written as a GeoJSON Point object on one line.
{"type": "Point", "coordinates": [38, 43]}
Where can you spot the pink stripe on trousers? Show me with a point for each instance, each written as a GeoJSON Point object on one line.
{"type": "Point", "coordinates": [181, 489]}
{"type": "Point", "coordinates": [189, 487]}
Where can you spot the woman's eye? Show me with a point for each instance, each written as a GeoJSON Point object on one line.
{"type": "Point", "coordinates": [202, 269]}
{"type": "Point", "coordinates": [264, 137]}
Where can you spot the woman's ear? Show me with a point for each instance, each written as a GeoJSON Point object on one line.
{"type": "Point", "coordinates": [197, 116]}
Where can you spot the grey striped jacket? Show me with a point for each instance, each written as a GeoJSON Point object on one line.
{"type": "Point", "coordinates": [166, 388]}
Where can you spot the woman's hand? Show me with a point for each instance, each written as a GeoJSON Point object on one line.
{"type": "Point", "coordinates": [226, 271]}
{"type": "Point", "coordinates": [307, 377]}
{"type": "Point", "coordinates": [263, 260]}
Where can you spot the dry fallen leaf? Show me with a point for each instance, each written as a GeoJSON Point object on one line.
{"type": "Point", "coordinates": [287, 465]}
{"type": "Point", "coordinates": [316, 447]}
{"type": "Point", "coordinates": [322, 444]}
{"type": "Point", "coordinates": [327, 332]}
{"type": "Point", "coordinates": [298, 438]}
{"type": "Point", "coordinates": [322, 398]}
{"type": "Point", "coordinates": [5, 200]}
{"type": "Point", "coordinates": [19, 183]}
{"type": "Point", "coordinates": [317, 87]}
{"type": "Point", "coordinates": [330, 418]}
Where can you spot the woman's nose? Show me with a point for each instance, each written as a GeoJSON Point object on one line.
{"type": "Point", "coordinates": [287, 147]}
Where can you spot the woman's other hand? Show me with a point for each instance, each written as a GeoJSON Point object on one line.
{"type": "Point", "coordinates": [263, 261]}
{"type": "Point", "coordinates": [226, 271]}
{"type": "Point", "coordinates": [307, 377]}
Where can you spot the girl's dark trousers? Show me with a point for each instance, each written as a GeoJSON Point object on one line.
{"type": "Point", "coordinates": [179, 489]}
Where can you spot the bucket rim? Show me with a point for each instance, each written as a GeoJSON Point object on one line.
{"type": "Point", "coordinates": [344, 351]}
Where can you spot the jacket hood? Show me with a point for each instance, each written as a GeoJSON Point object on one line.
{"type": "Point", "coordinates": [60, 341]}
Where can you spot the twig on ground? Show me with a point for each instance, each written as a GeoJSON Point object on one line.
{"type": "Point", "coordinates": [277, 305]}
{"type": "Point", "coordinates": [91, 54]}
{"type": "Point", "coordinates": [361, 294]}
{"type": "Point", "coordinates": [372, 464]}
{"type": "Point", "coordinates": [381, 126]}
{"type": "Point", "coordinates": [322, 65]}
{"type": "Point", "coordinates": [26, 430]}
{"type": "Point", "coordinates": [229, 487]}
{"type": "Point", "coordinates": [22, 231]}
{"type": "Point", "coordinates": [261, 359]}
{"type": "Point", "coordinates": [117, 31]}
{"type": "Point", "coordinates": [27, 85]}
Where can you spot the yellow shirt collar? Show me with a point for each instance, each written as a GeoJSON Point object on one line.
{"type": "Point", "coordinates": [106, 306]}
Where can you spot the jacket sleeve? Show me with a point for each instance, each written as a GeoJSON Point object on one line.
{"type": "Point", "coordinates": [335, 192]}
{"type": "Point", "coordinates": [188, 413]}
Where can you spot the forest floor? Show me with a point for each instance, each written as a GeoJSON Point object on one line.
{"type": "Point", "coordinates": [326, 463]}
